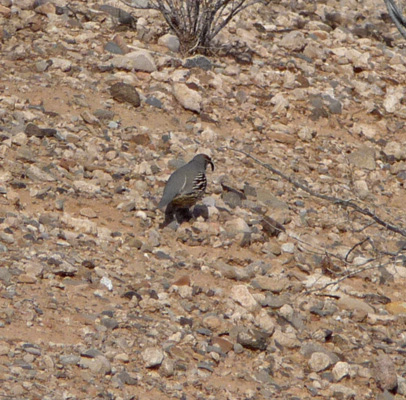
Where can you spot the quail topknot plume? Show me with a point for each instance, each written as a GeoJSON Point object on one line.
{"type": "Point", "coordinates": [187, 184]}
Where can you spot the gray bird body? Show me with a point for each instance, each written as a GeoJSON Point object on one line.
{"type": "Point", "coordinates": [187, 184]}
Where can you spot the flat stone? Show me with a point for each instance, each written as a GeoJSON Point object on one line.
{"type": "Point", "coordinates": [198, 62]}
{"type": "Point", "coordinates": [99, 365]}
{"type": "Point", "coordinates": [274, 285]}
{"type": "Point", "coordinates": [288, 248]}
{"type": "Point", "coordinates": [342, 392]}
{"type": "Point", "coordinates": [37, 174]}
{"type": "Point", "coordinates": [110, 323]}
{"type": "Point", "coordinates": [253, 339]}
{"type": "Point", "coordinates": [80, 224]}
{"type": "Point", "coordinates": [188, 98]}
{"type": "Point", "coordinates": [268, 198]}
{"type": "Point", "coordinates": [140, 60]}
{"type": "Point", "coordinates": [121, 15]}
{"type": "Point", "coordinates": [62, 64]}
{"type": "Point", "coordinates": [24, 278]}
{"type": "Point", "coordinates": [102, 114]}
{"type": "Point", "coordinates": [236, 226]}
{"type": "Point", "coordinates": [224, 344]}
{"type": "Point", "coordinates": [364, 157]}
{"type": "Point", "coordinates": [69, 359]}
{"type": "Point", "coordinates": [88, 212]}
{"type": "Point", "coordinates": [351, 303]}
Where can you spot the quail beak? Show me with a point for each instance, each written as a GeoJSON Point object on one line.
{"type": "Point", "coordinates": [212, 165]}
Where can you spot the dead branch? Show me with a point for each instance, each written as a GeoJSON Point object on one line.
{"type": "Point", "coordinates": [355, 246]}
{"type": "Point", "coordinates": [344, 277]}
{"type": "Point", "coordinates": [331, 199]}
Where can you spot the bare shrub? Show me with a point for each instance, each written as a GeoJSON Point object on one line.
{"type": "Point", "coordinates": [396, 11]}
{"type": "Point", "coordinates": [196, 22]}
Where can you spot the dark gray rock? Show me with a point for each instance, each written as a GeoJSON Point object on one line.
{"type": "Point", "coordinates": [253, 339]}
{"type": "Point", "coordinates": [154, 102]}
{"type": "Point", "coordinates": [198, 62]}
{"type": "Point", "coordinates": [125, 93]}
{"type": "Point", "coordinates": [113, 48]}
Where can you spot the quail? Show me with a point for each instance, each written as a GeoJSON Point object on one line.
{"type": "Point", "coordinates": [187, 184]}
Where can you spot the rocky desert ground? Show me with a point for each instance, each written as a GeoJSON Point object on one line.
{"type": "Point", "coordinates": [288, 282]}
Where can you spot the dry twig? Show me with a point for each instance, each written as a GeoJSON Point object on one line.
{"type": "Point", "coordinates": [331, 199]}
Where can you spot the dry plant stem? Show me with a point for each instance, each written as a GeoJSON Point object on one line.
{"type": "Point", "coordinates": [197, 22]}
{"type": "Point", "coordinates": [344, 277]}
{"type": "Point", "coordinates": [354, 247]}
{"type": "Point", "coordinates": [331, 199]}
{"type": "Point", "coordinates": [396, 16]}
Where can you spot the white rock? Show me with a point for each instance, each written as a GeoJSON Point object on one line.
{"type": "Point", "coordinates": [367, 130]}
{"type": "Point", "coordinates": [86, 187]}
{"type": "Point", "coordinates": [306, 133]}
{"type": "Point", "coordinates": [82, 225]}
{"type": "Point", "coordinates": [319, 361]}
{"type": "Point", "coordinates": [340, 370]}
{"type": "Point", "coordinates": [179, 75]}
{"type": "Point", "coordinates": [140, 60]}
{"type": "Point", "coordinates": [169, 41]}
{"type": "Point", "coordinates": [392, 98]}
{"type": "Point", "coordinates": [209, 134]}
{"type": "Point", "coordinates": [286, 311]}
{"type": "Point", "coordinates": [24, 4]}
{"type": "Point", "coordinates": [152, 357]}
{"type": "Point", "coordinates": [62, 64]}
{"type": "Point", "coordinates": [293, 41]}
{"type": "Point", "coordinates": [35, 173]}
{"type": "Point", "coordinates": [186, 292]}
{"type": "Point", "coordinates": [314, 51]}
{"type": "Point", "coordinates": [160, 76]}
{"type": "Point", "coordinates": [20, 139]}
{"type": "Point", "coordinates": [188, 98]}
{"type": "Point", "coordinates": [395, 149]}
{"type": "Point", "coordinates": [360, 60]}
{"type": "Point", "coordinates": [286, 339]}
{"type": "Point", "coordinates": [237, 225]}
{"type": "Point", "coordinates": [99, 365]}
{"type": "Point", "coordinates": [350, 303]}
{"type": "Point", "coordinates": [241, 295]}
{"type": "Point", "coordinates": [340, 51]}
{"type": "Point", "coordinates": [123, 357]}
{"type": "Point", "coordinates": [288, 248]}
{"type": "Point", "coordinates": [106, 282]}
{"type": "Point", "coordinates": [281, 103]}
{"type": "Point", "coordinates": [361, 188]}
{"type": "Point", "coordinates": [397, 271]}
